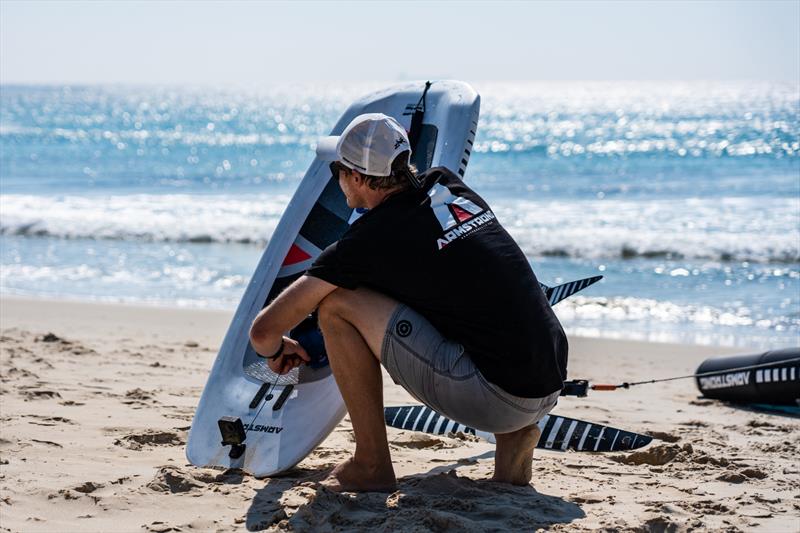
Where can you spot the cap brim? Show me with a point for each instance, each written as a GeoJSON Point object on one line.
{"type": "Point", "coordinates": [326, 148]}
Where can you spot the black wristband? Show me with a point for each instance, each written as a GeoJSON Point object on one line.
{"type": "Point", "coordinates": [278, 353]}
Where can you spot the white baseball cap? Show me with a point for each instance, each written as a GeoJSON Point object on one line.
{"type": "Point", "coordinates": [369, 144]}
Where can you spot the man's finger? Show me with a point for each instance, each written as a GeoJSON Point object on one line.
{"type": "Point", "coordinates": [300, 351]}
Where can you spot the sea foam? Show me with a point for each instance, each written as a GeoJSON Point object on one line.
{"type": "Point", "coordinates": [727, 229]}
{"type": "Point", "coordinates": [143, 217]}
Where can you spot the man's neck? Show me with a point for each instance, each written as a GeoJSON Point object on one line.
{"type": "Point", "coordinates": [381, 196]}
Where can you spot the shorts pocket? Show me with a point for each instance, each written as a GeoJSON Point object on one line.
{"type": "Point", "coordinates": [461, 366]}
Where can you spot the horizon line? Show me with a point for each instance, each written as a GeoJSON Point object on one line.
{"type": "Point", "coordinates": [24, 83]}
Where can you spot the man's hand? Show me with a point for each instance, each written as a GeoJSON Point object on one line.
{"type": "Point", "coordinates": [293, 355]}
{"type": "Point", "coordinates": [284, 313]}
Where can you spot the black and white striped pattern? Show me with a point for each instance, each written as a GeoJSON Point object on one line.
{"type": "Point", "coordinates": [565, 290]}
{"type": "Point", "coordinates": [462, 167]}
{"type": "Point", "coordinates": [558, 432]}
{"type": "Point", "coordinates": [778, 374]}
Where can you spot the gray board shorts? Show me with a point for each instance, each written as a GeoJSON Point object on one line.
{"type": "Point", "coordinates": [440, 374]}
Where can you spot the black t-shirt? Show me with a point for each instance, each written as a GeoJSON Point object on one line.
{"type": "Point", "coordinates": [441, 251]}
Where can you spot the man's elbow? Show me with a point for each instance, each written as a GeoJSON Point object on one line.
{"type": "Point", "coordinates": [261, 336]}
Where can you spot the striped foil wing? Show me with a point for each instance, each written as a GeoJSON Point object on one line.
{"type": "Point", "coordinates": [422, 418]}
{"type": "Point", "coordinates": [563, 433]}
{"type": "Point", "coordinates": [558, 432]}
{"type": "Point", "coordinates": [565, 290]}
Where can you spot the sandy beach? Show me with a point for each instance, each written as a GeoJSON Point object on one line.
{"type": "Point", "coordinates": [97, 400]}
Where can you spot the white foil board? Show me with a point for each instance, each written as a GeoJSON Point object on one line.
{"type": "Point", "coordinates": [306, 405]}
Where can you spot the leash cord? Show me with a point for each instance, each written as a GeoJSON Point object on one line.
{"type": "Point", "coordinates": [627, 384]}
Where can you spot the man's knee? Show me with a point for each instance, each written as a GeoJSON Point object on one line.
{"type": "Point", "coordinates": [364, 309]}
{"type": "Point", "coordinates": [334, 306]}
{"type": "Point", "coordinates": [352, 305]}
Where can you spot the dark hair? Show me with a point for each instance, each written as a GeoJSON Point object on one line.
{"type": "Point", "coordinates": [403, 175]}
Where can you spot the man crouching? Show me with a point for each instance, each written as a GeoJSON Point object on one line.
{"type": "Point", "coordinates": [428, 284]}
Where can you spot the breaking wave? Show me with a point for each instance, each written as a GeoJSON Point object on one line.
{"type": "Point", "coordinates": [143, 217]}
{"type": "Point", "coordinates": [724, 229]}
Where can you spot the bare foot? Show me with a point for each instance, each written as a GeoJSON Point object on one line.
{"type": "Point", "coordinates": [514, 455]}
{"type": "Point", "coordinates": [351, 476]}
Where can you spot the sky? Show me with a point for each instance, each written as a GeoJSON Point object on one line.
{"type": "Point", "coordinates": [177, 42]}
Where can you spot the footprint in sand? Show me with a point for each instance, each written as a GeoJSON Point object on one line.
{"type": "Point", "coordinates": [39, 394]}
{"type": "Point", "coordinates": [64, 345]}
{"type": "Point", "coordinates": [139, 441]}
{"type": "Point", "coordinates": [753, 473]}
{"type": "Point", "coordinates": [741, 476]}
{"type": "Point", "coordinates": [138, 394]}
{"type": "Point", "coordinates": [417, 441]}
{"type": "Point", "coordinates": [48, 420]}
{"type": "Point", "coordinates": [15, 373]}
{"type": "Point", "coordinates": [441, 502]}
{"type": "Point", "coordinates": [176, 480]}
{"type": "Point", "coordinates": [65, 494]}
{"type": "Point", "coordinates": [694, 424]}
{"type": "Point", "coordinates": [324, 453]}
{"type": "Point", "coordinates": [160, 527]}
{"type": "Point", "coordinates": [50, 337]}
{"type": "Point", "coordinates": [138, 398]}
{"type": "Point", "coordinates": [655, 455]}
{"type": "Point", "coordinates": [88, 487]}
{"type": "Point", "coordinates": [666, 437]}
{"type": "Point", "coordinates": [703, 459]}
{"type": "Point", "coordinates": [768, 426]}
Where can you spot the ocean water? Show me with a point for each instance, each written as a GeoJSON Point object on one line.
{"type": "Point", "coordinates": [685, 196]}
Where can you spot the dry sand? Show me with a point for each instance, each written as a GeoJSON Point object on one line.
{"type": "Point", "coordinates": [97, 401]}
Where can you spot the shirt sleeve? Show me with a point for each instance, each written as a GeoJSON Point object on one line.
{"type": "Point", "coordinates": [343, 264]}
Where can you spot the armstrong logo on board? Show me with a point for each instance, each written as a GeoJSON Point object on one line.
{"type": "Point", "coordinates": [736, 379]}
{"type": "Point", "coordinates": [263, 429]}
{"type": "Point", "coordinates": [457, 215]}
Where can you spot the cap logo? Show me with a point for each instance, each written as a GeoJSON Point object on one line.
{"type": "Point", "coordinates": [400, 141]}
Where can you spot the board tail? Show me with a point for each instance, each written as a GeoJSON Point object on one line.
{"type": "Point", "coordinates": [558, 432]}
{"type": "Point", "coordinates": [565, 290]}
